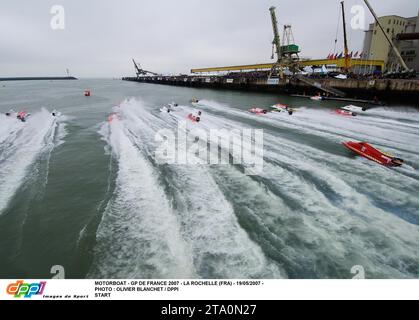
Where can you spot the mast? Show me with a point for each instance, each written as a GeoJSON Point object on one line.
{"type": "Point", "coordinates": [396, 51]}
{"type": "Point", "coordinates": [346, 50]}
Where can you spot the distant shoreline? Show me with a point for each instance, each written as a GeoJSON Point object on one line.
{"type": "Point", "coordinates": [36, 78]}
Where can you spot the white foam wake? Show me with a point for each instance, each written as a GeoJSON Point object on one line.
{"type": "Point", "coordinates": [338, 210]}
{"type": "Point", "coordinates": [20, 145]}
{"type": "Point", "coordinates": [216, 245]}
{"type": "Point", "coordinates": [138, 235]}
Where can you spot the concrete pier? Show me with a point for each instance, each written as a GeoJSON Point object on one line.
{"type": "Point", "coordinates": [397, 90]}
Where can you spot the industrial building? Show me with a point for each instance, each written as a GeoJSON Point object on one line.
{"type": "Point", "coordinates": [404, 32]}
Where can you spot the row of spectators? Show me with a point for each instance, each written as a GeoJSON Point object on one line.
{"type": "Point", "coordinates": [253, 75]}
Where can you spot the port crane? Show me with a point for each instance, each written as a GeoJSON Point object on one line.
{"type": "Point", "coordinates": [287, 57]}
{"type": "Point", "coordinates": [276, 43]}
{"type": "Point", "coordinates": [142, 72]}
{"type": "Point", "coordinates": [287, 53]}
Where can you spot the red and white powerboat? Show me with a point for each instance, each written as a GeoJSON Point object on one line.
{"type": "Point", "coordinates": [195, 118]}
{"type": "Point", "coordinates": [345, 113]}
{"type": "Point", "coordinates": [282, 107]}
{"type": "Point", "coordinates": [367, 151]}
{"type": "Point", "coordinates": [111, 117]}
{"type": "Point", "coordinates": [23, 116]}
{"type": "Point", "coordinates": [354, 108]}
{"type": "Point", "coordinates": [258, 111]}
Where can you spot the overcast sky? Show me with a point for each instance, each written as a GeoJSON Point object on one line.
{"type": "Point", "coordinates": [168, 36]}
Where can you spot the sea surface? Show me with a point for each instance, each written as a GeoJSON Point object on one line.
{"type": "Point", "coordinates": [85, 190]}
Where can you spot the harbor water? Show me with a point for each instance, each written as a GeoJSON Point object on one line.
{"type": "Point", "coordinates": [86, 192]}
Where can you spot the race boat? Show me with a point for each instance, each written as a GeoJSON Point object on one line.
{"type": "Point", "coordinates": [367, 151]}
{"type": "Point", "coordinates": [112, 117]}
{"type": "Point", "coordinates": [194, 118]}
{"type": "Point", "coordinates": [55, 113]}
{"type": "Point", "coordinates": [282, 107]}
{"type": "Point", "coordinates": [23, 116]}
{"type": "Point", "coordinates": [166, 109]}
{"type": "Point", "coordinates": [258, 111]}
{"type": "Point", "coordinates": [354, 108]}
{"type": "Point", "coordinates": [195, 102]}
{"type": "Point", "coordinates": [169, 108]}
{"type": "Point", "coordinates": [345, 113]}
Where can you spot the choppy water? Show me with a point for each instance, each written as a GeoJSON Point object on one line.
{"type": "Point", "coordinates": [89, 195]}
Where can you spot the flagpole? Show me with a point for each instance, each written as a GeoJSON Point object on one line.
{"type": "Point", "coordinates": [365, 65]}
{"type": "Point", "coordinates": [371, 63]}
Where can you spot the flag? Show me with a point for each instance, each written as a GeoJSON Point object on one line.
{"type": "Point", "coordinates": [340, 56]}
{"type": "Point", "coordinates": [356, 54]}
{"type": "Point", "coordinates": [351, 54]}
{"type": "Point", "coordinates": [335, 56]}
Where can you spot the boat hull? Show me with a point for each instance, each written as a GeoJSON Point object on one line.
{"type": "Point", "coordinates": [367, 151]}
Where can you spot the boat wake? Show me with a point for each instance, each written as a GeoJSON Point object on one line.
{"type": "Point", "coordinates": [138, 236]}
{"type": "Point", "coordinates": [21, 145]}
{"type": "Point", "coordinates": [168, 220]}
{"type": "Point", "coordinates": [315, 211]}
{"type": "Point", "coordinates": [318, 210]}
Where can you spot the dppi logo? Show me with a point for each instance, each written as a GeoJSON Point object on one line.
{"type": "Point", "coordinates": [19, 289]}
